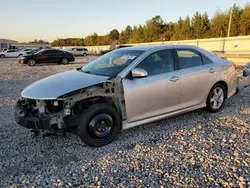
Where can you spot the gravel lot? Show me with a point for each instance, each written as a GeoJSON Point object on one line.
{"type": "Point", "coordinates": [194, 149]}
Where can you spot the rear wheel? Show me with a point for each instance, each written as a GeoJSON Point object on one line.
{"type": "Point", "coordinates": [31, 62]}
{"type": "Point", "coordinates": [216, 98]}
{"type": "Point", "coordinates": [65, 61]}
{"type": "Point", "coordinates": [2, 56]}
{"type": "Point", "coordinates": [99, 125]}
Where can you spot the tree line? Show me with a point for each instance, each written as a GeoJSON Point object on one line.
{"type": "Point", "coordinates": [155, 29]}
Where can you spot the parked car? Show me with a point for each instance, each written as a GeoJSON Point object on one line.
{"type": "Point", "coordinates": [79, 51]}
{"type": "Point", "coordinates": [3, 49]}
{"type": "Point", "coordinates": [125, 88]}
{"type": "Point", "coordinates": [47, 56]}
{"type": "Point", "coordinates": [29, 52]}
{"type": "Point", "coordinates": [10, 53]}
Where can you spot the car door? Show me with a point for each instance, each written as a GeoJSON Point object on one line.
{"type": "Point", "coordinates": [15, 53]}
{"type": "Point", "coordinates": [197, 75]}
{"type": "Point", "coordinates": [42, 56]}
{"type": "Point", "coordinates": [156, 94]}
{"type": "Point", "coordinates": [79, 51]}
{"type": "Point", "coordinates": [50, 56]}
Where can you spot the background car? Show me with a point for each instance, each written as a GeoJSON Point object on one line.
{"type": "Point", "coordinates": [10, 53]}
{"type": "Point", "coordinates": [3, 49]}
{"type": "Point", "coordinates": [79, 51]}
{"type": "Point", "coordinates": [29, 51]}
{"type": "Point", "coordinates": [47, 56]}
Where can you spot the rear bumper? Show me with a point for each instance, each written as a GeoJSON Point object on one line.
{"type": "Point", "coordinates": [71, 58]}
{"type": "Point", "coordinates": [31, 122]}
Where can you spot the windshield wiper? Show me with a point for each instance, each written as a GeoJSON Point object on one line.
{"type": "Point", "coordinates": [88, 72]}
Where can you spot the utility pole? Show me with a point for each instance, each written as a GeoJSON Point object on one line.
{"type": "Point", "coordinates": [230, 21]}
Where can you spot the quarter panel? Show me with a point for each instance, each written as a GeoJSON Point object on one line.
{"type": "Point", "coordinates": [195, 84]}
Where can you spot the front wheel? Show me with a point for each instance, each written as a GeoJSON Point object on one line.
{"type": "Point", "coordinates": [2, 56]}
{"type": "Point", "coordinates": [31, 62]}
{"type": "Point", "coordinates": [216, 98]}
{"type": "Point", "coordinates": [65, 61]}
{"type": "Point", "coordinates": [99, 125]}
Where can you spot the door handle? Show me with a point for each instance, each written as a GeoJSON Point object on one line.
{"type": "Point", "coordinates": [212, 70]}
{"type": "Point", "coordinates": [174, 79]}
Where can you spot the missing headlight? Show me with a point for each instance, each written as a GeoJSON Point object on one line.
{"type": "Point", "coordinates": [54, 106]}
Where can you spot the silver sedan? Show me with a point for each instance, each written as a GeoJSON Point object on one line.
{"type": "Point", "coordinates": [125, 88]}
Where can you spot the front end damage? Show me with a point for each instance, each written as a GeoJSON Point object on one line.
{"type": "Point", "coordinates": [61, 114]}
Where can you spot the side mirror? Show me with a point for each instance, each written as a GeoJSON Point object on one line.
{"type": "Point", "coordinates": [139, 73]}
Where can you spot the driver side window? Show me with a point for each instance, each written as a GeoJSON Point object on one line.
{"type": "Point", "coordinates": [158, 63]}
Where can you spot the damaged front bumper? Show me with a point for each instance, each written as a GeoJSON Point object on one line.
{"type": "Point", "coordinates": [35, 122]}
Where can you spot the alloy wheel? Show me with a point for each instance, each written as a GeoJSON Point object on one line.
{"type": "Point", "coordinates": [217, 98]}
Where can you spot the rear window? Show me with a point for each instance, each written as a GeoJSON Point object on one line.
{"type": "Point", "coordinates": [188, 58]}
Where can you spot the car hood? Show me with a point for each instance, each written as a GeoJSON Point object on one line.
{"type": "Point", "coordinates": [60, 84]}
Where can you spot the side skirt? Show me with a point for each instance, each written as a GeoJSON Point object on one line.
{"type": "Point", "coordinates": [126, 125]}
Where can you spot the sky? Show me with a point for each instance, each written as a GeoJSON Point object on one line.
{"type": "Point", "coordinates": [26, 20]}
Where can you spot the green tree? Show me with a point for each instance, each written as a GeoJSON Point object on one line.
{"type": "Point", "coordinates": [177, 30]}
{"type": "Point", "coordinates": [154, 29]}
{"type": "Point", "coordinates": [235, 26]}
{"type": "Point", "coordinates": [114, 35]}
{"type": "Point", "coordinates": [200, 25]}
{"type": "Point", "coordinates": [219, 24]}
{"type": "Point", "coordinates": [245, 21]}
{"type": "Point", "coordinates": [186, 30]}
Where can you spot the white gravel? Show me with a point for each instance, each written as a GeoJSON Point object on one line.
{"type": "Point", "coordinates": [194, 149]}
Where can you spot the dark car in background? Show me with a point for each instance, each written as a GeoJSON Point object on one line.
{"type": "Point", "coordinates": [47, 56]}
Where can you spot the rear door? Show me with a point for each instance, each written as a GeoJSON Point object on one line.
{"type": "Point", "coordinates": [52, 55]}
{"type": "Point", "coordinates": [197, 75]}
{"type": "Point", "coordinates": [79, 51]}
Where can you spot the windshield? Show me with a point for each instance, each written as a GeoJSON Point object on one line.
{"type": "Point", "coordinates": [111, 63]}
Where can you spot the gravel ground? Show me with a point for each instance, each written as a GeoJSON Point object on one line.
{"type": "Point", "coordinates": [196, 149]}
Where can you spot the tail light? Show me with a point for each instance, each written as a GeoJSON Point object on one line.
{"type": "Point", "coordinates": [234, 65]}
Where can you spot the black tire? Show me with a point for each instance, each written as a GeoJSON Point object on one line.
{"type": "Point", "coordinates": [2, 56]}
{"type": "Point", "coordinates": [31, 62]}
{"type": "Point", "coordinates": [210, 107]}
{"type": "Point", "coordinates": [89, 121]}
{"type": "Point", "coordinates": [64, 61]}
{"type": "Point", "coordinates": [84, 54]}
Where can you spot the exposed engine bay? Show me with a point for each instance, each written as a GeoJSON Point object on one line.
{"type": "Point", "coordinates": [62, 113]}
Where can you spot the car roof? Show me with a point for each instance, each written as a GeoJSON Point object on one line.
{"type": "Point", "coordinates": [152, 47]}
{"type": "Point", "coordinates": [149, 48]}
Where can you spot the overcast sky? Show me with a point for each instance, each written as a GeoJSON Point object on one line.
{"type": "Point", "coordinates": [26, 20]}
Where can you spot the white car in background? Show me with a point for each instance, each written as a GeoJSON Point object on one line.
{"type": "Point", "coordinates": [78, 51]}
{"type": "Point", "coordinates": [10, 53]}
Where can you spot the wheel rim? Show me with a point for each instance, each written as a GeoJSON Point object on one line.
{"type": "Point", "coordinates": [217, 98]}
{"type": "Point", "coordinates": [101, 126]}
{"type": "Point", "coordinates": [32, 62]}
{"type": "Point", "coordinates": [64, 61]}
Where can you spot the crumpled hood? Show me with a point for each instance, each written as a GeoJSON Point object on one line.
{"type": "Point", "coordinates": [61, 84]}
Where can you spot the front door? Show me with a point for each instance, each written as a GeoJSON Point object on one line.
{"type": "Point", "coordinates": [197, 77]}
{"type": "Point", "coordinates": [156, 94]}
